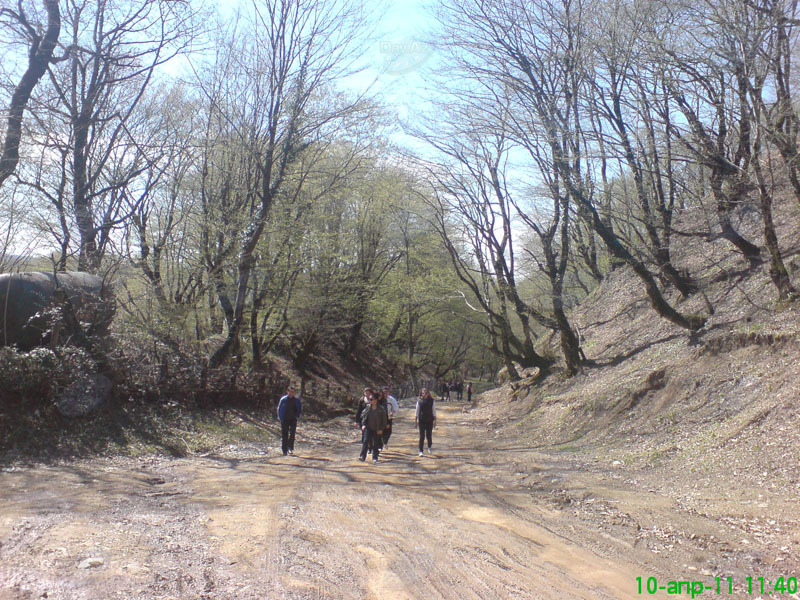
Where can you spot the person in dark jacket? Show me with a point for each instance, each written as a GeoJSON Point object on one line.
{"type": "Point", "coordinates": [384, 404]}
{"type": "Point", "coordinates": [290, 408]}
{"type": "Point", "coordinates": [363, 405]}
{"type": "Point", "coordinates": [373, 422]}
{"type": "Point", "coordinates": [425, 419]}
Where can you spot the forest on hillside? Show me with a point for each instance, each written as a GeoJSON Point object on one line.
{"type": "Point", "coordinates": [259, 220]}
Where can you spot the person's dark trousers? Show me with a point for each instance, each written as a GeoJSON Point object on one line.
{"type": "Point", "coordinates": [387, 433]}
{"type": "Point", "coordinates": [288, 429]}
{"type": "Point", "coordinates": [425, 429]}
{"type": "Point", "coordinates": [371, 440]}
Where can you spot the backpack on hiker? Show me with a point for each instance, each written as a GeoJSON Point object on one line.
{"type": "Point", "coordinates": [290, 411]}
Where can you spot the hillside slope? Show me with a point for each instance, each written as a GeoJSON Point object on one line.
{"type": "Point", "coordinates": [687, 445]}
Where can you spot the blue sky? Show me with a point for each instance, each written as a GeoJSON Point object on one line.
{"type": "Point", "coordinates": [400, 54]}
{"type": "Point", "coordinates": [397, 59]}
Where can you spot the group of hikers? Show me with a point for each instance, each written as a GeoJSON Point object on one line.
{"type": "Point", "coordinates": [455, 390]}
{"type": "Point", "coordinates": [374, 415]}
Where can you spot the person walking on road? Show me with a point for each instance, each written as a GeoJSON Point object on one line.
{"type": "Point", "coordinates": [373, 423]}
{"type": "Point", "coordinates": [391, 409]}
{"type": "Point", "coordinates": [469, 391]}
{"type": "Point", "coordinates": [382, 402]}
{"type": "Point", "coordinates": [425, 419]}
{"type": "Point", "coordinates": [290, 408]}
{"type": "Point", "coordinates": [363, 405]}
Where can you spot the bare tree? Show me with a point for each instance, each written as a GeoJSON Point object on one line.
{"type": "Point", "coordinates": [15, 226]}
{"type": "Point", "coordinates": [161, 231]}
{"type": "Point", "coordinates": [89, 112]}
{"type": "Point", "coordinates": [765, 37]}
{"type": "Point", "coordinates": [629, 96]}
{"type": "Point", "coordinates": [755, 42]}
{"type": "Point", "coordinates": [284, 57]}
{"type": "Point", "coordinates": [530, 49]}
{"type": "Point", "coordinates": [717, 130]}
{"type": "Point", "coordinates": [40, 55]}
{"type": "Point", "coordinates": [473, 216]}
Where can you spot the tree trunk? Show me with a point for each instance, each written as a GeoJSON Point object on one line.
{"type": "Point", "coordinates": [513, 374]}
{"type": "Point", "coordinates": [255, 339]}
{"type": "Point", "coordinates": [661, 306]}
{"type": "Point", "coordinates": [724, 206]}
{"type": "Point", "coordinates": [569, 341]}
{"type": "Point", "coordinates": [39, 56]}
{"type": "Point", "coordinates": [88, 259]}
{"type": "Point", "coordinates": [214, 323]}
{"type": "Point", "coordinates": [684, 284]}
{"type": "Point", "coordinates": [777, 270]}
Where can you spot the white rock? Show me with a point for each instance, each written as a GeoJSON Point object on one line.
{"type": "Point", "coordinates": [94, 561]}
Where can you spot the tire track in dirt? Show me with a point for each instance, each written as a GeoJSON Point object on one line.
{"type": "Point", "coordinates": [414, 527]}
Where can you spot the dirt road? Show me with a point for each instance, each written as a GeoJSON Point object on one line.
{"type": "Point", "coordinates": [467, 522]}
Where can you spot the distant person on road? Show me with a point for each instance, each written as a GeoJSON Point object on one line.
{"type": "Point", "coordinates": [469, 391]}
{"type": "Point", "coordinates": [391, 408]}
{"type": "Point", "coordinates": [425, 419]}
{"type": "Point", "coordinates": [460, 391]}
{"type": "Point", "coordinates": [373, 423]}
{"type": "Point", "coordinates": [445, 391]}
{"type": "Point", "coordinates": [290, 409]}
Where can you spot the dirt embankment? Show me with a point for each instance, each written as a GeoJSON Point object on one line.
{"type": "Point", "coordinates": [684, 447]}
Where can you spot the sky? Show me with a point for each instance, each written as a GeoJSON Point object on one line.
{"type": "Point", "coordinates": [401, 58]}
{"type": "Point", "coordinates": [397, 59]}
{"type": "Point", "coordinates": [400, 55]}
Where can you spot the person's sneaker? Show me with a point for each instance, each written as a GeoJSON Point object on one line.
{"type": "Point", "coordinates": [285, 453]}
{"type": "Point", "coordinates": [421, 454]}
{"type": "Point", "coordinates": [385, 445]}
{"type": "Point", "coordinates": [291, 451]}
{"type": "Point", "coordinates": [430, 450]}
{"type": "Point", "coordinates": [362, 458]}
{"type": "Point", "coordinates": [374, 460]}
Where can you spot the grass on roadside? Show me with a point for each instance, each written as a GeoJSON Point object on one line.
{"type": "Point", "coordinates": [129, 428]}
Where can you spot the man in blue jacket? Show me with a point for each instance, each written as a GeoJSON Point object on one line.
{"type": "Point", "coordinates": [290, 408]}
